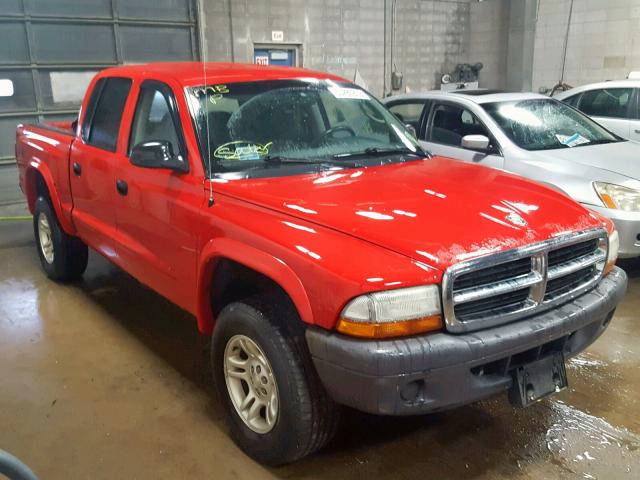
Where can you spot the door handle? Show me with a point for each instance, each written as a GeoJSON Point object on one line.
{"type": "Point", "coordinates": [122, 187]}
{"type": "Point", "coordinates": [637, 131]}
{"type": "Point", "coordinates": [77, 169]}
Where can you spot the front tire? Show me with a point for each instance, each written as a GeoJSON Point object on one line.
{"type": "Point", "coordinates": [276, 407]}
{"type": "Point", "coordinates": [63, 257]}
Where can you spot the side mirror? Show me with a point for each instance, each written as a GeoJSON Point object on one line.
{"type": "Point", "coordinates": [475, 142]}
{"type": "Point", "coordinates": [412, 129]}
{"type": "Point", "coordinates": [157, 154]}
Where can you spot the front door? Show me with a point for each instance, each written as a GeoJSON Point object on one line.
{"type": "Point", "coordinates": [158, 209]}
{"type": "Point", "coordinates": [92, 163]}
{"type": "Point", "coordinates": [447, 125]}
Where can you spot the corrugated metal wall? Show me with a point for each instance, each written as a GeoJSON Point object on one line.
{"type": "Point", "coordinates": [50, 49]}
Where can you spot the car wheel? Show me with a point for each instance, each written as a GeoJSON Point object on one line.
{"type": "Point", "coordinates": [63, 257]}
{"type": "Point", "coordinates": [277, 409]}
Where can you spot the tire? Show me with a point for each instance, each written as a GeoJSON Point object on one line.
{"type": "Point", "coordinates": [306, 417]}
{"type": "Point", "coordinates": [63, 257]}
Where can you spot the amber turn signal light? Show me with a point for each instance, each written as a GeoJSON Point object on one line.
{"type": "Point", "coordinates": [389, 329]}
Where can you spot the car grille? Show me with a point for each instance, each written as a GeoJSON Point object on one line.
{"type": "Point", "coordinates": [506, 286]}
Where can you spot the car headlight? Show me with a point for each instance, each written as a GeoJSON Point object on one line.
{"type": "Point", "coordinates": [614, 246]}
{"type": "Point", "coordinates": [618, 197]}
{"type": "Point", "coordinates": [392, 313]}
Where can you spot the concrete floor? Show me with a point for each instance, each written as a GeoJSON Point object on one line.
{"type": "Point", "coordinates": [105, 379]}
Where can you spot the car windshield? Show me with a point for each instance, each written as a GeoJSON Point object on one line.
{"type": "Point", "coordinates": [546, 124]}
{"type": "Point", "coordinates": [282, 127]}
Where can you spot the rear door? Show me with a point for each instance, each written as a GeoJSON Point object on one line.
{"type": "Point", "coordinates": [611, 107]}
{"type": "Point", "coordinates": [92, 160]}
{"type": "Point", "coordinates": [447, 124]}
{"type": "Point", "coordinates": [158, 209]}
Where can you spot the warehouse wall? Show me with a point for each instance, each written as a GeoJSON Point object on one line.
{"type": "Point", "coordinates": [489, 39]}
{"type": "Point", "coordinates": [339, 36]}
{"type": "Point", "coordinates": [431, 39]}
{"type": "Point", "coordinates": [604, 41]}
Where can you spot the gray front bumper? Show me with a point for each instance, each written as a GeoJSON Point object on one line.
{"type": "Point", "coordinates": [438, 371]}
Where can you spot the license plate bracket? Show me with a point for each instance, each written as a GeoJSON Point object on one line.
{"type": "Point", "coordinates": [536, 380]}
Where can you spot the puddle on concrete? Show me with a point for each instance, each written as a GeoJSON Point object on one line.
{"type": "Point", "coordinates": [589, 446]}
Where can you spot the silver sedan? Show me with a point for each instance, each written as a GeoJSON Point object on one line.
{"type": "Point", "coordinates": [536, 137]}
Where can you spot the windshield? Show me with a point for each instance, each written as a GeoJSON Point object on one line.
{"type": "Point", "coordinates": [546, 124]}
{"type": "Point", "coordinates": [281, 127]}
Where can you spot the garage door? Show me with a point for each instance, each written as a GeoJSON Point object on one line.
{"type": "Point", "coordinates": [49, 49]}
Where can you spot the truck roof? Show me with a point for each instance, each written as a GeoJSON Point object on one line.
{"type": "Point", "coordinates": [193, 73]}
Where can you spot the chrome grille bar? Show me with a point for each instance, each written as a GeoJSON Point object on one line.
{"type": "Point", "coordinates": [496, 288]}
{"type": "Point", "coordinates": [541, 281]}
{"type": "Point", "coordinates": [577, 264]}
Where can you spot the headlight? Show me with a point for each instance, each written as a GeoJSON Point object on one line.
{"type": "Point", "coordinates": [614, 246]}
{"type": "Point", "coordinates": [618, 197]}
{"type": "Point", "coordinates": [392, 313]}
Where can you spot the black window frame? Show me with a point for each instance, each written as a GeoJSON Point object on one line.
{"type": "Point", "coordinates": [167, 92]}
{"type": "Point", "coordinates": [631, 106]}
{"type": "Point", "coordinates": [92, 107]}
{"type": "Point", "coordinates": [493, 141]}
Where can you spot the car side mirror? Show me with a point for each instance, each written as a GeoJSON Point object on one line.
{"type": "Point", "coordinates": [157, 154]}
{"type": "Point", "coordinates": [475, 142]}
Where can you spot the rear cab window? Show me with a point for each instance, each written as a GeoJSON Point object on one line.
{"type": "Point", "coordinates": [104, 112]}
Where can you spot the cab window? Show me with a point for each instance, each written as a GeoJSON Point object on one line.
{"type": "Point", "coordinates": [105, 112]}
{"type": "Point", "coordinates": [153, 120]}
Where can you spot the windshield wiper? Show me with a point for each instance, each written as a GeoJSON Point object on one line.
{"type": "Point", "coordinates": [375, 151]}
{"type": "Point", "coordinates": [279, 159]}
{"type": "Point", "coordinates": [283, 159]}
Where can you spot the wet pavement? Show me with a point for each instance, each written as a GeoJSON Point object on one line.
{"type": "Point", "coordinates": [104, 379]}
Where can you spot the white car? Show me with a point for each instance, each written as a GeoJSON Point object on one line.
{"type": "Point", "coordinates": [612, 104]}
{"type": "Point", "coordinates": [539, 138]}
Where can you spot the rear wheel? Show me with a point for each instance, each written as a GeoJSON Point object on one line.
{"type": "Point", "coordinates": [63, 257]}
{"type": "Point", "coordinates": [277, 409]}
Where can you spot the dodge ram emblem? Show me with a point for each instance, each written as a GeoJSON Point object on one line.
{"type": "Point", "coordinates": [516, 219]}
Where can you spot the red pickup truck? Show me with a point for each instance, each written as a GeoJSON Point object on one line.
{"type": "Point", "coordinates": [331, 259]}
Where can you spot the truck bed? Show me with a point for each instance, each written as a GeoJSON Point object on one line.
{"type": "Point", "coordinates": [46, 146]}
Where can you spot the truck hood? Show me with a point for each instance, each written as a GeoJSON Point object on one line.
{"type": "Point", "coordinates": [437, 211]}
{"type": "Point", "coordinates": [621, 157]}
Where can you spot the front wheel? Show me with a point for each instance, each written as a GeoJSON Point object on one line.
{"type": "Point", "coordinates": [277, 409]}
{"type": "Point", "coordinates": [63, 257]}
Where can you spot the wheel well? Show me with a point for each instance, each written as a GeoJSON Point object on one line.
{"type": "Point", "coordinates": [233, 282]}
{"type": "Point", "coordinates": [36, 187]}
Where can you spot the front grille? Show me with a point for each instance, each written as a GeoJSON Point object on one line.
{"type": "Point", "coordinates": [571, 252]}
{"type": "Point", "coordinates": [503, 287]}
{"type": "Point", "coordinates": [496, 273]}
{"type": "Point", "coordinates": [487, 306]}
{"type": "Point", "coordinates": [567, 283]}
